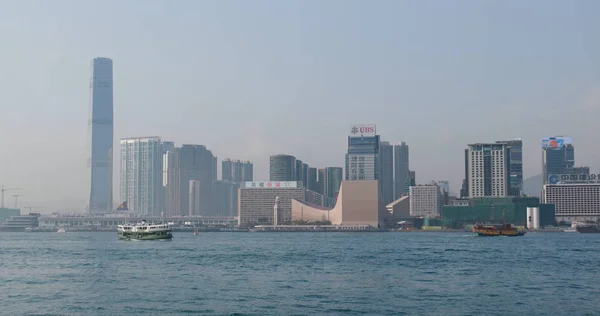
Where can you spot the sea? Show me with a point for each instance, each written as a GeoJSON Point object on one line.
{"type": "Point", "coordinates": [254, 273]}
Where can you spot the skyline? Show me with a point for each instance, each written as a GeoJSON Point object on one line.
{"type": "Point", "coordinates": [437, 77]}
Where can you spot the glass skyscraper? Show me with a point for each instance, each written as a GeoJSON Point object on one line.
{"type": "Point", "coordinates": [100, 136]}
{"type": "Point", "coordinates": [515, 147]}
{"type": "Point", "coordinates": [401, 170]}
{"type": "Point", "coordinates": [283, 168]}
{"type": "Point", "coordinates": [386, 165]}
{"type": "Point", "coordinates": [362, 158]}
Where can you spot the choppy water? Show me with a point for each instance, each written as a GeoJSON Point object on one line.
{"type": "Point", "coordinates": [300, 274]}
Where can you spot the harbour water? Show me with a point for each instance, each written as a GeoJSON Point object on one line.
{"type": "Point", "coordinates": [300, 274]}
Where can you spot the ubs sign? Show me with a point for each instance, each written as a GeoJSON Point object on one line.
{"type": "Point", "coordinates": [361, 130]}
{"type": "Point", "coordinates": [573, 178]}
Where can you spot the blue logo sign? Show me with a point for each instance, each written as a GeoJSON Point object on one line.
{"type": "Point", "coordinates": [553, 179]}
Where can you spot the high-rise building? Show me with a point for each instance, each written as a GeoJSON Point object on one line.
{"type": "Point", "coordinates": [444, 185]}
{"type": "Point", "coordinates": [141, 175]}
{"type": "Point", "coordinates": [558, 155]}
{"type": "Point", "coordinates": [362, 157]}
{"type": "Point", "coordinates": [301, 172]}
{"type": "Point", "coordinates": [425, 200]}
{"type": "Point", "coordinates": [386, 165]}
{"type": "Point", "coordinates": [236, 171]}
{"type": "Point", "coordinates": [312, 180]}
{"type": "Point", "coordinates": [410, 181]}
{"type": "Point", "coordinates": [516, 165]}
{"type": "Point", "coordinates": [333, 181]}
{"type": "Point", "coordinates": [464, 191]}
{"type": "Point", "coordinates": [184, 164]}
{"type": "Point", "coordinates": [488, 169]}
{"type": "Point", "coordinates": [283, 168]}
{"type": "Point", "coordinates": [322, 181]}
{"type": "Point", "coordinates": [100, 136]}
{"type": "Point", "coordinates": [401, 169]}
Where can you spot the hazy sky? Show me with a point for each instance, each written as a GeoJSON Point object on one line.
{"type": "Point", "coordinates": [254, 78]}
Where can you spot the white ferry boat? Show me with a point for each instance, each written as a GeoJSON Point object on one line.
{"type": "Point", "coordinates": [144, 231]}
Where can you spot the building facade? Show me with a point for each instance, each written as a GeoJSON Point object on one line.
{"type": "Point", "coordinates": [488, 168]}
{"type": "Point", "coordinates": [574, 201]}
{"type": "Point", "coordinates": [362, 157]}
{"type": "Point", "coordinates": [401, 169]}
{"type": "Point", "coordinates": [425, 200]}
{"type": "Point", "coordinates": [141, 175]}
{"type": "Point", "coordinates": [256, 201]}
{"type": "Point", "coordinates": [333, 181]}
{"type": "Point", "coordinates": [386, 165]}
{"type": "Point", "coordinates": [558, 155]}
{"type": "Point", "coordinates": [312, 180]}
{"type": "Point", "coordinates": [186, 163]}
{"type": "Point", "coordinates": [515, 147]}
{"type": "Point", "coordinates": [282, 168]}
{"type": "Point", "coordinates": [236, 170]}
{"type": "Point", "coordinates": [100, 136]}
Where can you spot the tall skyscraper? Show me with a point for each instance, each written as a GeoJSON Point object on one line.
{"type": "Point", "coordinates": [401, 170]}
{"type": "Point", "coordinates": [362, 157]}
{"type": "Point", "coordinates": [333, 181]}
{"type": "Point", "coordinates": [185, 164]}
{"type": "Point", "coordinates": [516, 165]}
{"type": "Point", "coordinates": [236, 171]}
{"type": "Point", "coordinates": [141, 175]}
{"type": "Point", "coordinates": [489, 170]}
{"type": "Point", "coordinates": [100, 136]}
{"type": "Point", "coordinates": [558, 156]}
{"type": "Point", "coordinates": [386, 165]}
{"type": "Point", "coordinates": [283, 168]}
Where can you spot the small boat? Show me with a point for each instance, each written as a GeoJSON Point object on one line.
{"type": "Point", "coordinates": [497, 230]}
{"type": "Point", "coordinates": [196, 231]}
{"type": "Point", "coordinates": [587, 227]}
{"type": "Point", "coordinates": [61, 230]}
{"type": "Point", "coordinates": [570, 230]}
{"type": "Point", "coordinates": [144, 231]}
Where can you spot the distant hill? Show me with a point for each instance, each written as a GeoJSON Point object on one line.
{"type": "Point", "coordinates": [532, 186]}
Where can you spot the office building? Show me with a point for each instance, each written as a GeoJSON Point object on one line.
{"type": "Point", "coordinates": [574, 202]}
{"type": "Point", "coordinates": [322, 180]}
{"type": "Point", "coordinates": [333, 180]}
{"type": "Point", "coordinates": [444, 185]}
{"type": "Point", "coordinates": [282, 168]}
{"type": "Point", "coordinates": [224, 197]}
{"type": "Point", "coordinates": [362, 157]}
{"type": "Point", "coordinates": [182, 165]}
{"type": "Point", "coordinates": [401, 170]}
{"type": "Point", "coordinates": [141, 175]}
{"type": "Point", "coordinates": [312, 180]}
{"type": "Point", "coordinates": [100, 136]}
{"type": "Point", "coordinates": [488, 168]}
{"type": "Point", "coordinates": [386, 165]}
{"type": "Point", "coordinates": [301, 172]}
{"type": "Point", "coordinates": [558, 156]}
{"type": "Point", "coordinates": [515, 147]}
{"type": "Point", "coordinates": [425, 200]}
{"type": "Point", "coordinates": [236, 170]}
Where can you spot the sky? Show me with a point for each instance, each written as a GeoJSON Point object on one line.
{"type": "Point", "coordinates": [249, 79]}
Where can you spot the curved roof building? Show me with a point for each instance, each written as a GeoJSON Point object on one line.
{"type": "Point", "coordinates": [358, 203]}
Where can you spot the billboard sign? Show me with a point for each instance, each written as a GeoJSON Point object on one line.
{"type": "Point", "coordinates": [271, 184]}
{"type": "Point", "coordinates": [573, 178]}
{"type": "Point", "coordinates": [556, 142]}
{"type": "Point", "coordinates": [362, 130]}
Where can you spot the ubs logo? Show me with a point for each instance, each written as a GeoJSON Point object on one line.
{"type": "Point", "coordinates": [354, 130]}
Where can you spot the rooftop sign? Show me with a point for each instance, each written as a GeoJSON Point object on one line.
{"type": "Point", "coordinates": [271, 184]}
{"type": "Point", "coordinates": [361, 130]}
{"type": "Point", "coordinates": [556, 142]}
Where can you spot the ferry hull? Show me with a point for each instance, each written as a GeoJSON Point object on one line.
{"type": "Point", "coordinates": [138, 236]}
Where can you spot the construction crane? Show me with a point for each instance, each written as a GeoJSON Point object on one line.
{"type": "Point", "coordinates": [16, 196]}
{"type": "Point", "coordinates": [3, 189]}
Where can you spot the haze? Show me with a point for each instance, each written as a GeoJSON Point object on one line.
{"type": "Point", "coordinates": [253, 78]}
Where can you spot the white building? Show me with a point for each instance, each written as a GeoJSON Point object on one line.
{"type": "Point", "coordinates": [141, 175]}
{"type": "Point", "coordinates": [488, 170]}
{"type": "Point", "coordinates": [574, 202]}
{"type": "Point", "coordinates": [425, 200]}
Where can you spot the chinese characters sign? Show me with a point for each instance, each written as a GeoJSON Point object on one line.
{"type": "Point", "coordinates": [573, 178]}
{"type": "Point", "coordinates": [271, 184]}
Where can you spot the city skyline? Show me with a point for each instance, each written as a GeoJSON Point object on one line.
{"type": "Point", "coordinates": [240, 96]}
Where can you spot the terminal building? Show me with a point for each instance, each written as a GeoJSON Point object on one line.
{"type": "Point", "coordinates": [256, 201]}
